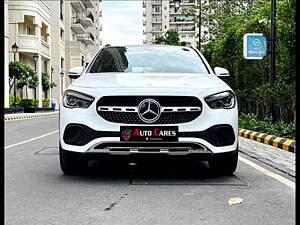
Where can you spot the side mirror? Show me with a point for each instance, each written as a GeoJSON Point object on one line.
{"type": "Point", "coordinates": [75, 72]}
{"type": "Point", "coordinates": [221, 72]}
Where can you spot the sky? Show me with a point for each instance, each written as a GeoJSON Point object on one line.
{"type": "Point", "coordinates": [122, 22]}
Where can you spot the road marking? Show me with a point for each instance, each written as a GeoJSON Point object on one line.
{"type": "Point", "coordinates": [269, 173]}
{"type": "Point", "coordinates": [29, 140]}
{"type": "Point", "coordinates": [28, 118]}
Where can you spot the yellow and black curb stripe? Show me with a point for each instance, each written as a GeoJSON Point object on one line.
{"type": "Point", "coordinates": [28, 116]}
{"type": "Point", "coordinates": [278, 142]}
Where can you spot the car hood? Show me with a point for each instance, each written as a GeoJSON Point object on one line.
{"type": "Point", "coordinates": [148, 80]}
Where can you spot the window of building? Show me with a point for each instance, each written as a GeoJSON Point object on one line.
{"type": "Point", "coordinates": [61, 10]}
{"type": "Point", "coordinates": [30, 30]}
{"type": "Point", "coordinates": [82, 61]}
{"type": "Point", "coordinates": [62, 61]}
{"type": "Point", "coordinates": [62, 34]}
{"type": "Point", "coordinates": [157, 9]}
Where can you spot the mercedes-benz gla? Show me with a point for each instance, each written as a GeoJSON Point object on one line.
{"type": "Point", "coordinates": [148, 100]}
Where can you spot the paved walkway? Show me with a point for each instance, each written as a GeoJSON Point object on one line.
{"type": "Point", "coordinates": [280, 159]}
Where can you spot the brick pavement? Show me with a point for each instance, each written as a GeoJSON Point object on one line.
{"type": "Point", "coordinates": [280, 159]}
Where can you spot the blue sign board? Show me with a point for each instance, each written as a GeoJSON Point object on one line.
{"type": "Point", "coordinates": [255, 46]}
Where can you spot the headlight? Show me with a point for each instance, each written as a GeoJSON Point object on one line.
{"type": "Point", "coordinates": [223, 100]}
{"type": "Point", "coordinates": [74, 99]}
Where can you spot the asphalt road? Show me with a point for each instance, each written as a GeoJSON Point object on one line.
{"type": "Point", "coordinates": [113, 192]}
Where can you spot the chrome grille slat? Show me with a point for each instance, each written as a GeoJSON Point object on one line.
{"type": "Point", "coordinates": [172, 109]}
{"type": "Point", "coordinates": [134, 109]}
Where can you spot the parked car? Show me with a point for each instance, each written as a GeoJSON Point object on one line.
{"type": "Point", "coordinates": [146, 100]}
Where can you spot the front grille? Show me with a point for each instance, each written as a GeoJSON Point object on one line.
{"type": "Point", "coordinates": [174, 109]}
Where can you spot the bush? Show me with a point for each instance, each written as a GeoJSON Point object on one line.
{"type": "Point", "coordinates": [46, 103]}
{"type": "Point", "coordinates": [28, 102]}
{"type": "Point", "coordinates": [280, 128]}
{"type": "Point", "coordinates": [12, 98]}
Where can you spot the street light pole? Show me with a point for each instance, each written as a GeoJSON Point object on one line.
{"type": "Point", "coordinates": [271, 116]}
{"type": "Point", "coordinates": [35, 58]}
{"type": "Point", "coordinates": [62, 81]}
{"type": "Point", "coordinates": [15, 50]}
{"type": "Point", "coordinates": [199, 24]}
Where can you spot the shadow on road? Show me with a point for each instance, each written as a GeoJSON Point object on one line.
{"type": "Point", "coordinates": [158, 172]}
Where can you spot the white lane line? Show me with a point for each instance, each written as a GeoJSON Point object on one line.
{"type": "Point", "coordinates": [269, 173]}
{"type": "Point", "coordinates": [29, 140]}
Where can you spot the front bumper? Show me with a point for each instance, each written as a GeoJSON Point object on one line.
{"type": "Point", "coordinates": [97, 131]}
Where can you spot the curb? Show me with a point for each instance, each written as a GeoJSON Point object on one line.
{"type": "Point", "coordinates": [278, 142]}
{"type": "Point", "coordinates": [28, 115]}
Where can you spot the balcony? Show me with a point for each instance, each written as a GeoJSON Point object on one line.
{"type": "Point", "coordinates": [100, 12]}
{"type": "Point", "coordinates": [88, 21]}
{"type": "Point", "coordinates": [32, 44]}
{"type": "Point", "coordinates": [100, 28]}
{"type": "Point", "coordinates": [144, 4]}
{"type": "Point", "coordinates": [178, 12]}
{"type": "Point", "coordinates": [144, 22]}
{"type": "Point", "coordinates": [45, 47]}
{"type": "Point", "coordinates": [184, 29]}
{"type": "Point", "coordinates": [156, 20]}
{"type": "Point", "coordinates": [28, 43]}
{"type": "Point", "coordinates": [78, 6]}
{"type": "Point", "coordinates": [78, 26]}
{"type": "Point", "coordinates": [187, 2]}
{"type": "Point", "coordinates": [144, 32]}
{"type": "Point", "coordinates": [86, 38]}
{"type": "Point", "coordinates": [184, 2]}
{"type": "Point", "coordinates": [91, 16]}
{"type": "Point", "coordinates": [156, 30]}
{"type": "Point", "coordinates": [177, 20]}
{"type": "Point", "coordinates": [88, 3]}
{"type": "Point", "coordinates": [156, 2]}
{"type": "Point", "coordinates": [156, 11]}
{"type": "Point", "coordinates": [144, 13]}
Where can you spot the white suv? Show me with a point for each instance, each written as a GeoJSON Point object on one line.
{"type": "Point", "coordinates": [148, 100]}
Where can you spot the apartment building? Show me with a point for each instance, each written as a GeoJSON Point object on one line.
{"type": "Point", "coordinates": [82, 33]}
{"type": "Point", "coordinates": [62, 33]}
{"type": "Point", "coordinates": [162, 15]}
{"type": "Point", "coordinates": [6, 55]}
{"type": "Point", "coordinates": [77, 33]}
{"type": "Point", "coordinates": [30, 28]}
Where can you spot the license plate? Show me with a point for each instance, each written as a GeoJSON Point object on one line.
{"type": "Point", "coordinates": [147, 133]}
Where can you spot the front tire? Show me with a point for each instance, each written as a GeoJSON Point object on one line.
{"type": "Point", "coordinates": [72, 163]}
{"type": "Point", "coordinates": [224, 163]}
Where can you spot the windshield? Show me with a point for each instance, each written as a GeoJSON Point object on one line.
{"type": "Point", "coordinates": [145, 59]}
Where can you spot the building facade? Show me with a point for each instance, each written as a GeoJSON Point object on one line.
{"type": "Point", "coordinates": [30, 28]}
{"type": "Point", "coordinates": [161, 16]}
{"type": "Point", "coordinates": [82, 33]}
{"type": "Point", "coordinates": [64, 34]}
{"type": "Point", "coordinates": [6, 55]}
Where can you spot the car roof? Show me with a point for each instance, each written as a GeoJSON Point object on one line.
{"type": "Point", "coordinates": [147, 46]}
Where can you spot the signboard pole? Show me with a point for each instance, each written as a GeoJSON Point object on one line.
{"type": "Point", "coordinates": [271, 116]}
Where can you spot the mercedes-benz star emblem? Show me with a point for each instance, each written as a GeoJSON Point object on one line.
{"type": "Point", "coordinates": [149, 110]}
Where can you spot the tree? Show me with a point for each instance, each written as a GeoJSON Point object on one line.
{"type": "Point", "coordinates": [25, 76]}
{"type": "Point", "coordinates": [170, 38]}
{"type": "Point", "coordinates": [227, 22]}
{"type": "Point", "coordinates": [46, 84]}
